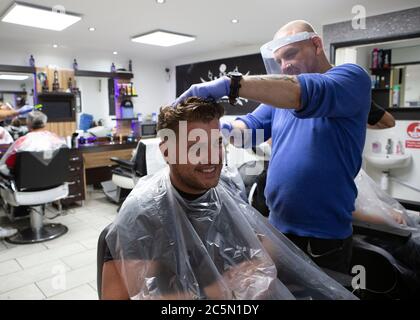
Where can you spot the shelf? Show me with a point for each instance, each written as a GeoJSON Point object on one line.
{"type": "Point", "coordinates": [17, 69]}
{"type": "Point", "coordinates": [405, 113]}
{"type": "Point", "coordinates": [52, 93]}
{"type": "Point", "coordinates": [406, 109]}
{"type": "Point", "coordinates": [124, 119]}
{"type": "Point", "coordinates": [381, 69]}
{"type": "Point", "coordinates": [127, 96]}
{"type": "Point", "coordinates": [12, 92]}
{"type": "Point", "coordinates": [100, 74]}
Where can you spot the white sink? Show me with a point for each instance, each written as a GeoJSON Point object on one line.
{"type": "Point", "coordinates": [388, 161]}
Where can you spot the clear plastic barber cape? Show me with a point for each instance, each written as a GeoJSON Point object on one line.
{"type": "Point", "coordinates": [37, 141]}
{"type": "Point", "coordinates": [377, 204]}
{"type": "Point", "coordinates": [166, 247]}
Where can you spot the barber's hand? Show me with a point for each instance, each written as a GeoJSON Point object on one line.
{"type": "Point", "coordinates": [215, 89]}
{"type": "Point", "coordinates": [5, 106]}
{"type": "Point", "coordinates": [398, 217]}
{"type": "Point", "coordinates": [25, 109]}
{"type": "Point", "coordinates": [226, 129]}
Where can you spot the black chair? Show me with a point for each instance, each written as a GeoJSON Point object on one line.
{"type": "Point", "coordinates": [386, 277]}
{"type": "Point", "coordinates": [125, 176]}
{"type": "Point", "coordinates": [38, 178]}
{"type": "Point", "coordinates": [100, 258]}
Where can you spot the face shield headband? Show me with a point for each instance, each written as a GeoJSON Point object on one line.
{"type": "Point", "coordinates": [268, 49]}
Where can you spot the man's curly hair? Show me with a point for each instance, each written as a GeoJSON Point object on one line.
{"type": "Point", "coordinates": [192, 109]}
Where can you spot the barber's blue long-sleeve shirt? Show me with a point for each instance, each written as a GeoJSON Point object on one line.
{"type": "Point", "coordinates": [316, 153]}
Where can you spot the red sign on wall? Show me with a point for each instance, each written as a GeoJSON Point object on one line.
{"type": "Point", "coordinates": [412, 144]}
{"type": "Point", "coordinates": [413, 131]}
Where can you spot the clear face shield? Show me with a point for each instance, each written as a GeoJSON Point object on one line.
{"type": "Point", "coordinates": [268, 49]}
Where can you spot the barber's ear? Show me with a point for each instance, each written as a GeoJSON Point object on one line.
{"type": "Point", "coordinates": [319, 47]}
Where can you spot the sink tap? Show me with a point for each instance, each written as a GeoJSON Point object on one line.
{"type": "Point", "coordinates": [389, 147]}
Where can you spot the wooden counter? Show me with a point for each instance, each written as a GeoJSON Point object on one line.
{"type": "Point", "coordinates": [91, 164]}
{"type": "Point", "coordinates": [96, 159]}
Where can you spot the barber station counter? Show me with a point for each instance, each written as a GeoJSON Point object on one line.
{"type": "Point", "coordinates": [90, 164]}
{"type": "Point", "coordinates": [96, 159]}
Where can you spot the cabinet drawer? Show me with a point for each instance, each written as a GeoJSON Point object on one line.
{"type": "Point", "coordinates": [75, 169]}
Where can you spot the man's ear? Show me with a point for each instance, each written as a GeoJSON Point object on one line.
{"type": "Point", "coordinates": [164, 150]}
{"type": "Point", "coordinates": [319, 46]}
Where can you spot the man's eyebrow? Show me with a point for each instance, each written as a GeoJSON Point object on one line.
{"type": "Point", "coordinates": [288, 51]}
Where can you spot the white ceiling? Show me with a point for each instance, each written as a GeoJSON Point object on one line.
{"type": "Point", "coordinates": [117, 21]}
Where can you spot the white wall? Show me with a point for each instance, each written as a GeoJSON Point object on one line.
{"type": "Point", "coordinates": [410, 174]}
{"type": "Point", "coordinates": [149, 76]}
{"type": "Point", "coordinates": [406, 54]}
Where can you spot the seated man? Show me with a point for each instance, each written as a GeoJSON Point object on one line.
{"type": "Point", "coordinates": [376, 207]}
{"type": "Point", "coordinates": [17, 129]}
{"type": "Point", "coordinates": [5, 137]}
{"type": "Point", "coordinates": [38, 139]}
{"type": "Point", "coordinates": [183, 233]}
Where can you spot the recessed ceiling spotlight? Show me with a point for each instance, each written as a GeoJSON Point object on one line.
{"type": "Point", "coordinates": [234, 21]}
{"type": "Point", "coordinates": [115, 52]}
{"type": "Point", "coordinates": [92, 29]}
{"type": "Point", "coordinates": [160, 1]}
{"type": "Point", "coordinates": [55, 46]}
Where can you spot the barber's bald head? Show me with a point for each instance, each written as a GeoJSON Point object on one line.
{"type": "Point", "coordinates": [294, 27]}
{"type": "Point", "coordinates": [305, 56]}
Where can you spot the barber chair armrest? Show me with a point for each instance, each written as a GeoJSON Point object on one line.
{"type": "Point", "coordinates": [124, 163]}
{"type": "Point", "coordinates": [7, 181]}
{"type": "Point", "coordinates": [6, 176]}
{"type": "Point", "coordinates": [123, 172]}
{"type": "Point", "coordinates": [381, 230]}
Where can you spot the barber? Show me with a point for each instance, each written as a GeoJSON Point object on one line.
{"type": "Point", "coordinates": [6, 111]}
{"type": "Point", "coordinates": [316, 115]}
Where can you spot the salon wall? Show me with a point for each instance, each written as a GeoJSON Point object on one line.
{"type": "Point", "coordinates": [410, 174]}
{"type": "Point", "coordinates": [149, 76]}
{"type": "Point", "coordinates": [401, 23]}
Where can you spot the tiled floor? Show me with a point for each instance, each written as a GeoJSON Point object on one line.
{"type": "Point", "coordinates": [64, 268]}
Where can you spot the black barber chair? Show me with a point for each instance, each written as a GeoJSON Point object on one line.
{"type": "Point", "coordinates": [100, 258]}
{"type": "Point", "coordinates": [386, 276]}
{"type": "Point", "coordinates": [37, 179]}
{"type": "Point", "coordinates": [252, 183]}
{"type": "Point", "coordinates": [125, 176]}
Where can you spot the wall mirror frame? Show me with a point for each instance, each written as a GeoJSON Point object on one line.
{"type": "Point", "coordinates": [400, 113]}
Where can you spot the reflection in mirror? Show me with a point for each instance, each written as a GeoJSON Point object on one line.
{"type": "Point", "coordinates": [17, 89]}
{"type": "Point", "coordinates": [394, 67]}
{"type": "Point", "coordinates": [412, 86]}
{"type": "Point", "coordinates": [93, 110]}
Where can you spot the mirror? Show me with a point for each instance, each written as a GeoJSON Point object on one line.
{"type": "Point", "coordinates": [412, 86]}
{"type": "Point", "coordinates": [17, 89]}
{"type": "Point", "coordinates": [93, 100]}
{"type": "Point", "coordinates": [394, 67]}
